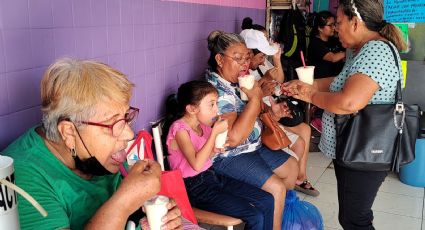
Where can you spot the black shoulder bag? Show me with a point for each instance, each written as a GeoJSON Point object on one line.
{"type": "Point", "coordinates": [380, 137]}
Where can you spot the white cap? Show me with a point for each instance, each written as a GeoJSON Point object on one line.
{"type": "Point", "coordinates": [255, 39]}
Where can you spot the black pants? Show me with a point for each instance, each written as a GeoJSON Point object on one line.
{"type": "Point", "coordinates": [356, 194]}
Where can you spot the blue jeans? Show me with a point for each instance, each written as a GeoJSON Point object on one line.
{"type": "Point", "coordinates": [220, 194]}
{"type": "Point", "coordinates": [253, 168]}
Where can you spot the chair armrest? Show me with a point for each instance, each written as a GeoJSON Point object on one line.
{"type": "Point", "coordinates": [215, 219]}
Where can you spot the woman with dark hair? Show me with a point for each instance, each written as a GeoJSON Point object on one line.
{"type": "Point", "coordinates": [322, 51]}
{"type": "Point", "coordinates": [369, 76]}
{"type": "Point", "coordinates": [245, 158]}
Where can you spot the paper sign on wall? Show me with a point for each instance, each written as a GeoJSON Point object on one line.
{"type": "Point", "coordinates": [404, 72]}
{"type": "Point", "coordinates": [404, 11]}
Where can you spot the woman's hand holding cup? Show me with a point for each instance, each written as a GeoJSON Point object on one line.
{"type": "Point", "coordinates": [299, 90]}
{"type": "Point", "coordinates": [220, 131]}
{"type": "Point", "coordinates": [253, 93]}
{"type": "Point", "coordinates": [133, 192]}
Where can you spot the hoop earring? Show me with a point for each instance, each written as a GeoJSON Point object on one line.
{"type": "Point", "coordinates": [73, 152]}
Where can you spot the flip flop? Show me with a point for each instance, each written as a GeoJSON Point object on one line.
{"type": "Point", "coordinates": [307, 188]}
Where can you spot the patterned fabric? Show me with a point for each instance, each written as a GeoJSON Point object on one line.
{"type": "Point", "coordinates": [177, 159]}
{"type": "Point", "coordinates": [376, 60]}
{"type": "Point", "coordinates": [229, 101]}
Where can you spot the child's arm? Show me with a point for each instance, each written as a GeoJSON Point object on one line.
{"type": "Point", "coordinates": [197, 159]}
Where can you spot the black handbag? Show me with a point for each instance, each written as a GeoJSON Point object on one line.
{"type": "Point", "coordinates": [380, 137]}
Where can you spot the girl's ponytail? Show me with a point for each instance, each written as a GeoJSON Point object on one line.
{"type": "Point", "coordinates": [393, 34]}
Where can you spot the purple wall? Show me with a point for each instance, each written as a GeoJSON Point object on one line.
{"type": "Point", "coordinates": [158, 44]}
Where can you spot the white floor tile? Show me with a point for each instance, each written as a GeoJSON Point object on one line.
{"type": "Point", "coordinates": [392, 184]}
{"type": "Point", "coordinates": [327, 203]}
{"type": "Point", "coordinates": [385, 220]}
{"type": "Point", "coordinates": [328, 177]}
{"type": "Point", "coordinates": [318, 159]}
{"type": "Point", "coordinates": [314, 173]}
{"type": "Point", "coordinates": [398, 204]}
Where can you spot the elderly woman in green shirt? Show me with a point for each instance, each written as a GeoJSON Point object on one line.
{"type": "Point", "coordinates": [70, 162]}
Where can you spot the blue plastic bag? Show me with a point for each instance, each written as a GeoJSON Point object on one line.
{"type": "Point", "coordinates": [300, 215]}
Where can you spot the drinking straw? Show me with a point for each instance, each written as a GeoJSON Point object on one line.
{"type": "Point", "coordinates": [302, 58]}
{"type": "Point", "coordinates": [25, 195]}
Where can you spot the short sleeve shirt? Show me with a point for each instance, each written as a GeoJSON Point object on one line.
{"type": "Point", "coordinates": [375, 60]}
{"type": "Point", "coordinates": [316, 51]}
{"type": "Point", "coordinates": [177, 159]}
{"type": "Point", "coordinates": [69, 199]}
{"type": "Point", "coordinates": [230, 101]}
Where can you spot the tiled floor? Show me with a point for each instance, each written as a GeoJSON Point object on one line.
{"type": "Point", "coordinates": [397, 206]}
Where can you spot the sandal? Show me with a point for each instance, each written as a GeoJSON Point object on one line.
{"type": "Point", "coordinates": [307, 188]}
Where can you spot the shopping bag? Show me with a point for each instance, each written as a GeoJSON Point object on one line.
{"type": "Point", "coordinates": [172, 184]}
{"type": "Point", "coordinates": [300, 215]}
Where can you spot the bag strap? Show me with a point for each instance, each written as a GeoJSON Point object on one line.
{"type": "Point", "coordinates": [398, 95]}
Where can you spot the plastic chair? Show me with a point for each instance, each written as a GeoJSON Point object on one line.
{"type": "Point", "coordinates": [201, 215]}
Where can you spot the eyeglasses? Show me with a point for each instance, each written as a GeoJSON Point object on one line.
{"type": "Point", "coordinates": [118, 126]}
{"type": "Point", "coordinates": [239, 60]}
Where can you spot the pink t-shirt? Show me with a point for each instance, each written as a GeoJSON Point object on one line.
{"type": "Point", "coordinates": [176, 158]}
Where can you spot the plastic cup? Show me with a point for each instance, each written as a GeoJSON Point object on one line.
{"type": "Point", "coordinates": [306, 74]}
{"type": "Point", "coordinates": [9, 218]}
{"type": "Point", "coordinates": [156, 208]}
{"type": "Point", "coordinates": [220, 140]}
{"type": "Point", "coordinates": [246, 81]}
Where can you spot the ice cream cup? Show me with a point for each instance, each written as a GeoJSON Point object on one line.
{"type": "Point", "coordinates": [156, 208]}
{"type": "Point", "coordinates": [306, 74]}
{"type": "Point", "coordinates": [246, 81]}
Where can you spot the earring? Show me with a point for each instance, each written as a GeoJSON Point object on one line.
{"type": "Point", "coordinates": [73, 153]}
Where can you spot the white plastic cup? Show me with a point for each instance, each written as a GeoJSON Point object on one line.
{"type": "Point", "coordinates": [306, 74]}
{"type": "Point", "coordinates": [9, 217]}
{"type": "Point", "coordinates": [156, 208]}
{"type": "Point", "coordinates": [220, 140]}
{"type": "Point", "coordinates": [246, 81]}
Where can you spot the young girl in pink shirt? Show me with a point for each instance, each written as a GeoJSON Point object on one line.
{"type": "Point", "coordinates": [190, 144]}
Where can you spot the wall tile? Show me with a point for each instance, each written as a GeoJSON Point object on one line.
{"type": "Point", "coordinates": [158, 44]}
{"type": "Point", "coordinates": [64, 42]}
{"type": "Point", "coordinates": [20, 121]}
{"type": "Point", "coordinates": [137, 11]}
{"type": "Point", "coordinates": [115, 61]}
{"type": "Point", "coordinates": [27, 81]}
{"type": "Point", "coordinates": [149, 35]}
{"type": "Point", "coordinates": [100, 41]}
{"type": "Point", "coordinates": [14, 14]}
{"type": "Point", "coordinates": [42, 51]}
{"type": "Point", "coordinates": [128, 63]}
{"type": "Point", "coordinates": [82, 13]}
{"type": "Point", "coordinates": [139, 37]}
{"type": "Point", "coordinates": [126, 12]}
{"type": "Point", "coordinates": [98, 12]}
{"type": "Point", "coordinates": [148, 12]}
{"type": "Point", "coordinates": [127, 37]}
{"type": "Point", "coordinates": [40, 14]}
{"type": "Point", "coordinates": [62, 13]}
{"type": "Point", "coordinates": [114, 39]}
{"type": "Point", "coordinates": [84, 42]}
{"type": "Point", "coordinates": [5, 137]}
{"type": "Point", "coordinates": [4, 101]}
{"type": "Point", "coordinates": [2, 54]}
{"type": "Point", "coordinates": [139, 63]}
{"type": "Point", "coordinates": [17, 48]}
{"type": "Point", "coordinates": [114, 12]}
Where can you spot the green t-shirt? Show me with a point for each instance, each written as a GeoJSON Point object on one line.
{"type": "Point", "coordinates": [69, 200]}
